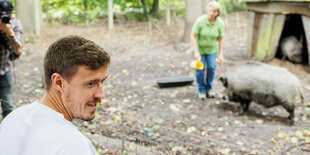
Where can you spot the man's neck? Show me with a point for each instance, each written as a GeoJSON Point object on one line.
{"type": "Point", "coordinates": [52, 99]}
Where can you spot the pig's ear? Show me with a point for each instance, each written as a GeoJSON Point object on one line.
{"type": "Point", "coordinates": [224, 81]}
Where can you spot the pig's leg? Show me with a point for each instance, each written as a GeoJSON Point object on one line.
{"type": "Point", "coordinates": [291, 117]}
{"type": "Point", "coordinates": [290, 109]}
{"type": "Point", "coordinates": [244, 106]}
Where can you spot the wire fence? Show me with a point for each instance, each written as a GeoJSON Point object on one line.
{"type": "Point", "coordinates": [182, 141]}
{"type": "Point", "coordinates": [190, 143]}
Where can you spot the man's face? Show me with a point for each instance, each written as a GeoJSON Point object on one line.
{"type": "Point", "coordinates": [84, 90]}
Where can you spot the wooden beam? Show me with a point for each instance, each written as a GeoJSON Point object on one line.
{"type": "Point", "coordinates": [302, 8]}
{"type": "Point", "coordinates": [306, 23]}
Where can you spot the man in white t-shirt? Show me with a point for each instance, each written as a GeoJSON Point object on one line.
{"type": "Point", "coordinates": [74, 71]}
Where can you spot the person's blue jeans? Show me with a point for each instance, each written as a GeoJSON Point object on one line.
{"type": "Point", "coordinates": [6, 93]}
{"type": "Point", "coordinates": [209, 64]}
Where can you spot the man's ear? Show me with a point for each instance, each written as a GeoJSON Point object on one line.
{"type": "Point", "coordinates": [57, 81]}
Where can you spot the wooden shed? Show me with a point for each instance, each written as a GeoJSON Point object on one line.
{"type": "Point", "coordinates": [271, 20]}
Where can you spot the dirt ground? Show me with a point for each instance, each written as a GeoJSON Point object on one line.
{"type": "Point", "coordinates": [169, 120]}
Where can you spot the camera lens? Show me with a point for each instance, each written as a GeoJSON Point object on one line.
{"type": "Point", "coordinates": [5, 20]}
{"type": "Point", "coordinates": [5, 17]}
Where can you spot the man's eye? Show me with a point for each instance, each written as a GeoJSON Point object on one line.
{"type": "Point", "coordinates": [91, 84]}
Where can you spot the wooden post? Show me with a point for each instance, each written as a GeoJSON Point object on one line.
{"type": "Point", "coordinates": [251, 17]}
{"type": "Point", "coordinates": [256, 27]}
{"type": "Point", "coordinates": [110, 14]}
{"type": "Point", "coordinates": [123, 132]}
{"type": "Point", "coordinates": [37, 14]}
{"type": "Point", "coordinates": [168, 14]}
{"type": "Point", "coordinates": [29, 13]}
{"type": "Point", "coordinates": [306, 23]}
{"type": "Point", "coordinates": [86, 20]}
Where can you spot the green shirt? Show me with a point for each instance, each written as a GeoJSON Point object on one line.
{"type": "Point", "coordinates": [207, 40]}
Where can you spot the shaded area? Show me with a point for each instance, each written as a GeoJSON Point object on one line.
{"type": "Point", "coordinates": [294, 26]}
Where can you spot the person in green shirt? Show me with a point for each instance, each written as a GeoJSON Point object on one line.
{"type": "Point", "coordinates": [207, 42]}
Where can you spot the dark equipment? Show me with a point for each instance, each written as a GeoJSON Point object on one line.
{"type": "Point", "coordinates": [175, 81]}
{"type": "Point", "coordinates": [5, 6]}
{"type": "Point", "coordinates": [5, 17]}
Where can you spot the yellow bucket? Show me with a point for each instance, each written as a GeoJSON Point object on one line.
{"type": "Point", "coordinates": [197, 64]}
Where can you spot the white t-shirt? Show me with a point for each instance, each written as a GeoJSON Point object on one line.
{"type": "Point", "coordinates": [36, 129]}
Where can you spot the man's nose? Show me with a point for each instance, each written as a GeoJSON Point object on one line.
{"type": "Point", "coordinates": [99, 93]}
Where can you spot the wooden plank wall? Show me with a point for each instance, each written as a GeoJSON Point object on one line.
{"type": "Point", "coordinates": [277, 29]}
{"type": "Point", "coordinates": [263, 50]}
{"type": "Point", "coordinates": [264, 34]}
{"type": "Point", "coordinates": [306, 24]}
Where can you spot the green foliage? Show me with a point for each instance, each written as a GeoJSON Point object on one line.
{"type": "Point", "coordinates": [125, 4]}
{"type": "Point", "coordinates": [74, 11]}
{"type": "Point", "coordinates": [135, 16]}
{"type": "Point", "coordinates": [176, 5]}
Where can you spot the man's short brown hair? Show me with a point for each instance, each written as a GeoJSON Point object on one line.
{"type": "Point", "coordinates": [66, 54]}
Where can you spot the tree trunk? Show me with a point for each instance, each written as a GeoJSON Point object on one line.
{"type": "Point", "coordinates": [154, 9]}
{"type": "Point", "coordinates": [204, 4]}
{"type": "Point", "coordinates": [29, 13]}
{"type": "Point", "coordinates": [193, 11]}
{"type": "Point", "coordinates": [85, 13]}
